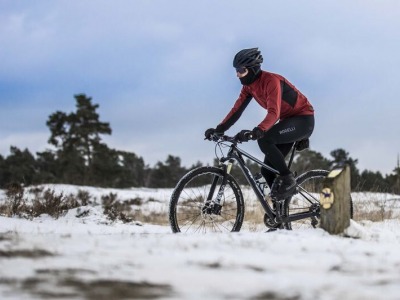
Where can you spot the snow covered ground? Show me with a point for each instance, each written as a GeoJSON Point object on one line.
{"type": "Point", "coordinates": [92, 258]}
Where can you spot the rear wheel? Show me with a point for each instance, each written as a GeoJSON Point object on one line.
{"type": "Point", "coordinates": [192, 209]}
{"type": "Point", "coordinates": [310, 185]}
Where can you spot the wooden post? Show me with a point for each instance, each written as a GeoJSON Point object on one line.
{"type": "Point", "coordinates": [335, 201]}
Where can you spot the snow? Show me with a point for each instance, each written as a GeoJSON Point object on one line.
{"type": "Point", "coordinates": [90, 257]}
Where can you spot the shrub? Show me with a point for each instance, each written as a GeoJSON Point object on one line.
{"type": "Point", "coordinates": [15, 203]}
{"type": "Point", "coordinates": [116, 210]}
{"type": "Point", "coordinates": [49, 203]}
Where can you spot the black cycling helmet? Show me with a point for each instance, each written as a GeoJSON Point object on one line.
{"type": "Point", "coordinates": [248, 58]}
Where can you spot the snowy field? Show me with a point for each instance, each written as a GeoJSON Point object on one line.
{"type": "Point", "coordinates": [89, 257]}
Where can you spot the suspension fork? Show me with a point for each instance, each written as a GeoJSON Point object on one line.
{"type": "Point", "coordinates": [227, 169]}
{"type": "Point", "coordinates": [213, 206]}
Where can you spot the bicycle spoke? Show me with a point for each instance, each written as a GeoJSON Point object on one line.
{"type": "Point", "coordinates": [191, 224]}
{"type": "Point", "coordinates": [309, 183]}
{"type": "Point", "coordinates": [190, 198]}
{"type": "Point", "coordinates": [189, 218]}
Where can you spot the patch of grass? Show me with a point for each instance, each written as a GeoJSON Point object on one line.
{"type": "Point", "coordinates": [64, 272]}
{"type": "Point", "coordinates": [376, 210]}
{"type": "Point", "coordinates": [254, 215]}
{"type": "Point", "coordinates": [136, 201]}
{"type": "Point", "coordinates": [25, 253]}
{"type": "Point", "coordinates": [275, 296]}
{"type": "Point", "coordinates": [115, 289]}
{"type": "Point", "coordinates": [69, 287]}
{"type": "Point", "coordinates": [5, 237]}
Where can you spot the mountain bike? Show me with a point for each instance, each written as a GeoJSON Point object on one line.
{"type": "Point", "coordinates": [209, 199]}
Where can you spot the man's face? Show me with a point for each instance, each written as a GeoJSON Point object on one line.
{"type": "Point", "coordinates": [241, 72]}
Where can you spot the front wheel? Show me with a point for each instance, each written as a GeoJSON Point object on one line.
{"type": "Point", "coordinates": [192, 206]}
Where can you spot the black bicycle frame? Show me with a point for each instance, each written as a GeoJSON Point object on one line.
{"type": "Point", "coordinates": [236, 154]}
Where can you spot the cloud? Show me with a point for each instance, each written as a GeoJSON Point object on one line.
{"type": "Point", "coordinates": [161, 71]}
{"type": "Point", "coordinates": [33, 141]}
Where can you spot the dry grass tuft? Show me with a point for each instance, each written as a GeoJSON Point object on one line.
{"type": "Point", "coordinates": [376, 208]}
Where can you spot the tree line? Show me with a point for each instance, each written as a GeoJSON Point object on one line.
{"type": "Point", "coordinates": [80, 157]}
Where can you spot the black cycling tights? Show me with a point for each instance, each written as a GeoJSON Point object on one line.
{"type": "Point", "coordinates": [278, 141]}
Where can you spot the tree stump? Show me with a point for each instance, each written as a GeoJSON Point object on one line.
{"type": "Point", "coordinates": [335, 201]}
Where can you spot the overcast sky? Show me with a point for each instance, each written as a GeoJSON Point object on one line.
{"type": "Point", "coordinates": [162, 72]}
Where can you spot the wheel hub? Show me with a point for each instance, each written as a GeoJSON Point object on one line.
{"type": "Point", "coordinates": [211, 208]}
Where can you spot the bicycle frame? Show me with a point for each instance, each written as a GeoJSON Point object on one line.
{"type": "Point", "coordinates": [236, 154]}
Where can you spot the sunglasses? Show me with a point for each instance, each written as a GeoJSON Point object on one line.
{"type": "Point", "coordinates": [241, 70]}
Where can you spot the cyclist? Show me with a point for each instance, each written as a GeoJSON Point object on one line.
{"type": "Point", "coordinates": [290, 118]}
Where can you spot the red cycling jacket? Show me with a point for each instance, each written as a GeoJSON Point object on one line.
{"type": "Point", "coordinates": [274, 93]}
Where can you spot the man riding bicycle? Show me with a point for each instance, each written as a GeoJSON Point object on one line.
{"type": "Point", "coordinates": [290, 118]}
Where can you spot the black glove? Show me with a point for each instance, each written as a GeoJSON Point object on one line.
{"type": "Point", "coordinates": [244, 135]}
{"type": "Point", "coordinates": [211, 131]}
{"type": "Point", "coordinates": [257, 133]}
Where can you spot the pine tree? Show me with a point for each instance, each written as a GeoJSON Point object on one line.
{"type": "Point", "coordinates": [85, 125]}
{"type": "Point", "coordinates": [342, 157]}
{"type": "Point", "coordinates": [104, 168]}
{"type": "Point", "coordinates": [48, 167]}
{"type": "Point", "coordinates": [19, 167]}
{"type": "Point", "coordinates": [394, 178]}
{"type": "Point", "coordinates": [168, 174]}
{"type": "Point", "coordinates": [373, 182]}
{"type": "Point", "coordinates": [132, 170]}
{"type": "Point", "coordinates": [2, 171]}
{"type": "Point", "coordinates": [75, 137]}
{"type": "Point", "coordinates": [308, 160]}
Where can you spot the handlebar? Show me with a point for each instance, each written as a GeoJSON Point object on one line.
{"type": "Point", "coordinates": [225, 138]}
